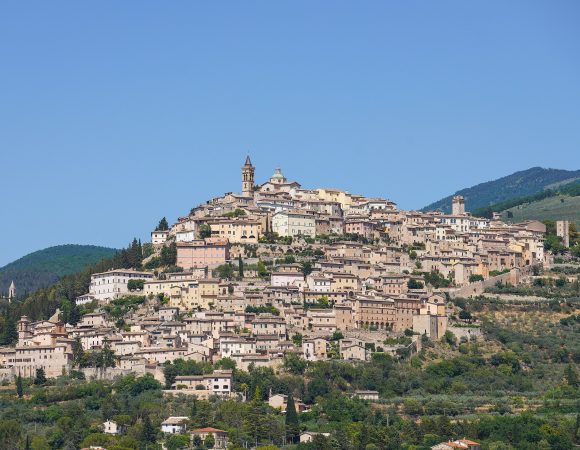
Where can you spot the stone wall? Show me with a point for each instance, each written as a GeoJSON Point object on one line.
{"type": "Point", "coordinates": [477, 288]}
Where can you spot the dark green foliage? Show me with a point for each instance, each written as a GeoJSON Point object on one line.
{"type": "Point", "coordinates": [148, 434]}
{"type": "Point", "coordinates": [134, 285]}
{"type": "Point", "coordinates": [204, 231]}
{"type": "Point", "coordinates": [19, 387]}
{"type": "Point", "coordinates": [414, 284]}
{"type": "Point", "coordinates": [240, 267]}
{"type": "Point", "coordinates": [169, 254]}
{"type": "Point", "coordinates": [264, 309]}
{"type": "Point", "coordinates": [225, 271]}
{"type": "Point", "coordinates": [306, 268]}
{"type": "Point", "coordinates": [170, 372]}
{"type": "Point", "coordinates": [119, 307]}
{"type": "Point", "coordinates": [42, 303]}
{"type": "Point", "coordinates": [40, 378]}
{"type": "Point", "coordinates": [9, 334]}
{"type": "Point", "coordinates": [437, 280]}
{"type": "Point", "coordinates": [45, 267]}
{"type": "Point", "coordinates": [294, 364]}
{"type": "Point", "coordinates": [163, 225]}
{"type": "Point", "coordinates": [292, 424]}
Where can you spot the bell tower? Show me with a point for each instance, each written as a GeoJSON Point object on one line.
{"type": "Point", "coordinates": [248, 178]}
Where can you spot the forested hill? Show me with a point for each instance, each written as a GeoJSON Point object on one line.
{"type": "Point", "coordinates": [44, 267]}
{"type": "Point", "coordinates": [518, 184]}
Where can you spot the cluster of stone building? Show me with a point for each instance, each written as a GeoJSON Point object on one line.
{"type": "Point", "coordinates": [365, 290]}
{"type": "Point", "coordinates": [456, 244]}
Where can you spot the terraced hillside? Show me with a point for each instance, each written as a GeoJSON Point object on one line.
{"type": "Point", "coordinates": [553, 208]}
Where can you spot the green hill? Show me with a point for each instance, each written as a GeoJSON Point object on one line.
{"type": "Point", "coordinates": [518, 184]}
{"type": "Point", "coordinates": [560, 207]}
{"type": "Point", "coordinates": [44, 267]}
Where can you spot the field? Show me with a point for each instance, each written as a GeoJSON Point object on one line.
{"type": "Point", "coordinates": [553, 208]}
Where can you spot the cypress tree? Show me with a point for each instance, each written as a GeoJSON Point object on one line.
{"type": "Point", "coordinates": [240, 266]}
{"type": "Point", "coordinates": [292, 424]}
{"type": "Point", "coordinates": [148, 434]}
{"type": "Point", "coordinates": [19, 388]}
{"type": "Point", "coordinates": [40, 377]}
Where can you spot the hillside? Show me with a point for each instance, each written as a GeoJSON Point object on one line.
{"type": "Point", "coordinates": [44, 267]}
{"type": "Point", "coordinates": [561, 207]}
{"type": "Point", "coordinates": [518, 184]}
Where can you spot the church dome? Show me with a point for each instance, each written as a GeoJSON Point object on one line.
{"type": "Point", "coordinates": [278, 177]}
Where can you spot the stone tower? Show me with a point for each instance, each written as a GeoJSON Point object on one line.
{"type": "Point", "coordinates": [563, 230]}
{"type": "Point", "coordinates": [23, 327]}
{"type": "Point", "coordinates": [458, 206]}
{"type": "Point", "coordinates": [11, 291]}
{"type": "Point", "coordinates": [248, 178]}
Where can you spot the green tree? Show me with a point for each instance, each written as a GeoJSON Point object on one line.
{"type": "Point", "coordinates": [163, 225]}
{"type": "Point", "coordinates": [107, 355]}
{"type": "Point", "coordinates": [240, 266]}
{"type": "Point", "coordinates": [19, 388]}
{"type": "Point", "coordinates": [78, 352]}
{"type": "Point", "coordinates": [414, 284]}
{"type": "Point", "coordinates": [225, 271]}
{"type": "Point", "coordinates": [40, 378]}
{"type": "Point", "coordinates": [294, 364]}
{"type": "Point", "coordinates": [177, 442]}
{"type": "Point", "coordinates": [292, 424]}
{"type": "Point", "coordinates": [170, 373]}
{"type": "Point", "coordinates": [148, 434]}
{"type": "Point", "coordinates": [134, 285]}
{"type": "Point", "coordinates": [9, 334]}
{"type": "Point", "coordinates": [204, 231]}
{"type": "Point", "coordinates": [262, 272]}
{"type": "Point", "coordinates": [306, 268]}
{"type": "Point", "coordinates": [169, 254]}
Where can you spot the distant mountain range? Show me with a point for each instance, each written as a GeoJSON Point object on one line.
{"type": "Point", "coordinates": [518, 184]}
{"type": "Point", "coordinates": [45, 267]}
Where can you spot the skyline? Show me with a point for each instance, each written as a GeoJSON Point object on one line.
{"type": "Point", "coordinates": [114, 116]}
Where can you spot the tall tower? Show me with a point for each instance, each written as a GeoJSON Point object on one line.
{"type": "Point", "coordinates": [458, 206]}
{"type": "Point", "coordinates": [248, 178]}
{"type": "Point", "coordinates": [11, 291]}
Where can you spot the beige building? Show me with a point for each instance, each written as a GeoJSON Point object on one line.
{"type": "Point", "coordinates": [294, 223]}
{"type": "Point", "coordinates": [238, 230]}
{"type": "Point", "coordinates": [54, 359]}
{"type": "Point", "coordinates": [202, 252]}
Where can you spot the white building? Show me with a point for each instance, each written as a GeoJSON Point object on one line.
{"type": "Point", "coordinates": [159, 237]}
{"type": "Point", "coordinates": [294, 223]}
{"type": "Point", "coordinates": [175, 425]}
{"type": "Point", "coordinates": [112, 284]}
{"type": "Point", "coordinates": [111, 427]}
{"type": "Point", "coordinates": [185, 236]}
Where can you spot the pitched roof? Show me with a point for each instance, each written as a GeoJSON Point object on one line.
{"type": "Point", "coordinates": [208, 430]}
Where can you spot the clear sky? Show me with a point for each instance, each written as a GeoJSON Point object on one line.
{"type": "Point", "coordinates": [114, 114]}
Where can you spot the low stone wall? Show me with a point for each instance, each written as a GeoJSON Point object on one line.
{"type": "Point", "coordinates": [477, 288]}
{"type": "Point", "coordinates": [467, 332]}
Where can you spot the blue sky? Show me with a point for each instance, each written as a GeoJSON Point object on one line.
{"type": "Point", "coordinates": [114, 114]}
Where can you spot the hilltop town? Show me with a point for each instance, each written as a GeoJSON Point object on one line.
{"type": "Point", "coordinates": [323, 260]}
{"type": "Point", "coordinates": [280, 272]}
